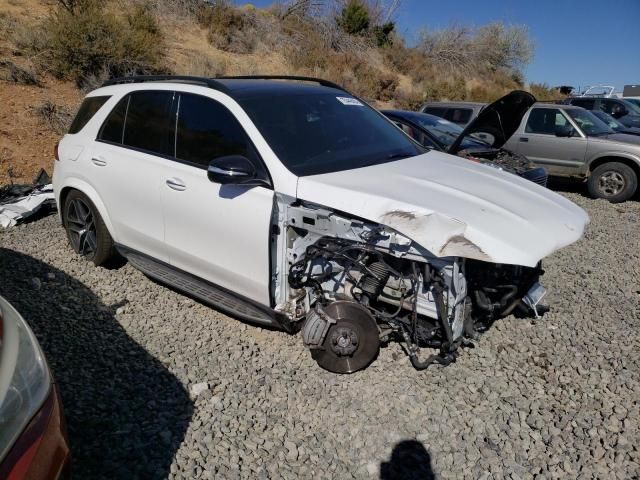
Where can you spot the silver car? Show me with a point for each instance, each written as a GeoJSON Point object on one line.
{"type": "Point", "coordinates": [570, 141]}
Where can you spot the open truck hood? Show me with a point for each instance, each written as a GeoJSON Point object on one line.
{"type": "Point", "coordinates": [500, 119]}
{"type": "Point", "coordinates": [453, 207]}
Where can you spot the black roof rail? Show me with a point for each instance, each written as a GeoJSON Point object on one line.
{"type": "Point", "coordinates": [320, 81]}
{"type": "Point", "coordinates": [213, 82]}
{"type": "Point", "coordinates": [202, 81]}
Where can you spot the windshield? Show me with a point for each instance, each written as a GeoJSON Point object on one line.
{"type": "Point", "coordinates": [324, 132]}
{"type": "Point", "coordinates": [446, 132]}
{"type": "Point", "coordinates": [591, 125]}
{"type": "Point", "coordinates": [633, 101]}
{"type": "Point", "coordinates": [609, 120]}
{"type": "Point", "coordinates": [633, 107]}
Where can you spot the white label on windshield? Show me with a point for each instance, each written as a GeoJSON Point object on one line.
{"type": "Point", "coordinates": [350, 101]}
{"type": "Point", "coordinates": [444, 122]}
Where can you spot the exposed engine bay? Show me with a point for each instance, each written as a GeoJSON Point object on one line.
{"type": "Point", "coordinates": [351, 285]}
{"type": "Point", "coordinates": [510, 161]}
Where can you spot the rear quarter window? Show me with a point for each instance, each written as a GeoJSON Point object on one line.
{"type": "Point", "coordinates": [113, 127]}
{"type": "Point", "coordinates": [87, 110]}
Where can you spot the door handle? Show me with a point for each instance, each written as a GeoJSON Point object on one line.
{"type": "Point", "coordinates": [99, 161]}
{"type": "Point", "coordinates": [176, 184]}
{"type": "Point", "coordinates": [524, 139]}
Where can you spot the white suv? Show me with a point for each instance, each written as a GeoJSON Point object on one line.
{"type": "Point", "coordinates": [289, 202]}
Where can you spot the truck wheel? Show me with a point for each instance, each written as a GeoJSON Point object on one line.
{"type": "Point", "coordinates": [613, 181]}
{"type": "Point", "coordinates": [87, 233]}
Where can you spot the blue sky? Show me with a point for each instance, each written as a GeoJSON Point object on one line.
{"type": "Point", "coordinates": [578, 42]}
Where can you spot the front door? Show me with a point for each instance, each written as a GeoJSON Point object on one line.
{"type": "Point", "coordinates": [217, 232]}
{"type": "Point", "coordinates": [540, 144]}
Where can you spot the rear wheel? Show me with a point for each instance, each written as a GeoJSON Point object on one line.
{"type": "Point", "coordinates": [352, 343]}
{"type": "Point", "coordinates": [613, 181]}
{"type": "Point", "coordinates": [87, 233]}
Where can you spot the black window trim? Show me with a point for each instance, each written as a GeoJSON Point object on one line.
{"type": "Point", "coordinates": [175, 110]}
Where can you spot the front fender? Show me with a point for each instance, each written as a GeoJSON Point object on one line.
{"type": "Point", "coordinates": [89, 191]}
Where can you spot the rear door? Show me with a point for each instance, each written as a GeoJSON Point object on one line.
{"type": "Point", "coordinates": [132, 145]}
{"type": "Point", "coordinates": [539, 143]}
{"type": "Point", "coordinates": [217, 232]}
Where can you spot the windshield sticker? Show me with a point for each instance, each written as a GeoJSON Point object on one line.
{"type": "Point", "coordinates": [350, 101]}
{"type": "Point", "coordinates": [444, 122]}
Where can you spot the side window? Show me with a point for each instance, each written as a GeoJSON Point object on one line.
{"type": "Point", "coordinates": [87, 110]}
{"type": "Point", "coordinates": [416, 134]}
{"type": "Point", "coordinates": [149, 124]}
{"type": "Point", "coordinates": [437, 111]}
{"type": "Point", "coordinates": [588, 103]}
{"type": "Point", "coordinates": [545, 121]}
{"type": "Point", "coordinates": [613, 108]}
{"type": "Point", "coordinates": [113, 127]}
{"type": "Point", "coordinates": [207, 130]}
{"type": "Point", "coordinates": [607, 106]}
{"type": "Point", "coordinates": [561, 120]}
{"type": "Point", "coordinates": [461, 116]}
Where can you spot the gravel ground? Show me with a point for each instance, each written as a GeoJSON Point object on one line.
{"type": "Point", "coordinates": [156, 385]}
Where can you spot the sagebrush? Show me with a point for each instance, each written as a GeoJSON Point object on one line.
{"type": "Point", "coordinates": [352, 42]}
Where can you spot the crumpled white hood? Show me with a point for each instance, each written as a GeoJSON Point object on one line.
{"type": "Point", "coordinates": [454, 207]}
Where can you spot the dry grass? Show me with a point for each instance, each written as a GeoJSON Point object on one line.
{"type": "Point", "coordinates": [13, 73]}
{"type": "Point", "coordinates": [57, 118]}
{"type": "Point", "coordinates": [191, 37]}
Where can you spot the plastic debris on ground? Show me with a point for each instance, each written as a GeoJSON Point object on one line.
{"type": "Point", "coordinates": [19, 203]}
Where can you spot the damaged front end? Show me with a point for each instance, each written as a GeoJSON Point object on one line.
{"type": "Point", "coordinates": [351, 285]}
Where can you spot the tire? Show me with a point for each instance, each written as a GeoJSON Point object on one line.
{"type": "Point", "coordinates": [354, 324]}
{"type": "Point", "coordinates": [613, 181]}
{"type": "Point", "coordinates": [86, 231]}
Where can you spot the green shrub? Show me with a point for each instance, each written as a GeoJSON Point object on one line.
{"type": "Point", "coordinates": [56, 117]}
{"type": "Point", "coordinates": [88, 40]}
{"type": "Point", "coordinates": [382, 34]}
{"type": "Point", "coordinates": [229, 28]}
{"type": "Point", "coordinates": [13, 73]}
{"type": "Point", "coordinates": [354, 18]}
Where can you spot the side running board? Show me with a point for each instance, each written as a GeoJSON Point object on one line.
{"type": "Point", "coordinates": [213, 295]}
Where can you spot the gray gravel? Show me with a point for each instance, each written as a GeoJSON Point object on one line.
{"type": "Point", "coordinates": [157, 385]}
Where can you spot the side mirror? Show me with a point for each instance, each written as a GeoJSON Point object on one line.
{"type": "Point", "coordinates": [233, 169]}
{"type": "Point", "coordinates": [565, 131]}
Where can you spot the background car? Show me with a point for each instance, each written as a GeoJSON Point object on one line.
{"type": "Point", "coordinates": [635, 101]}
{"type": "Point", "coordinates": [461, 113]}
{"type": "Point", "coordinates": [570, 141]}
{"type": "Point", "coordinates": [32, 434]}
{"type": "Point", "coordinates": [614, 124]}
{"type": "Point", "coordinates": [441, 134]}
{"type": "Point", "coordinates": [622, 110]}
